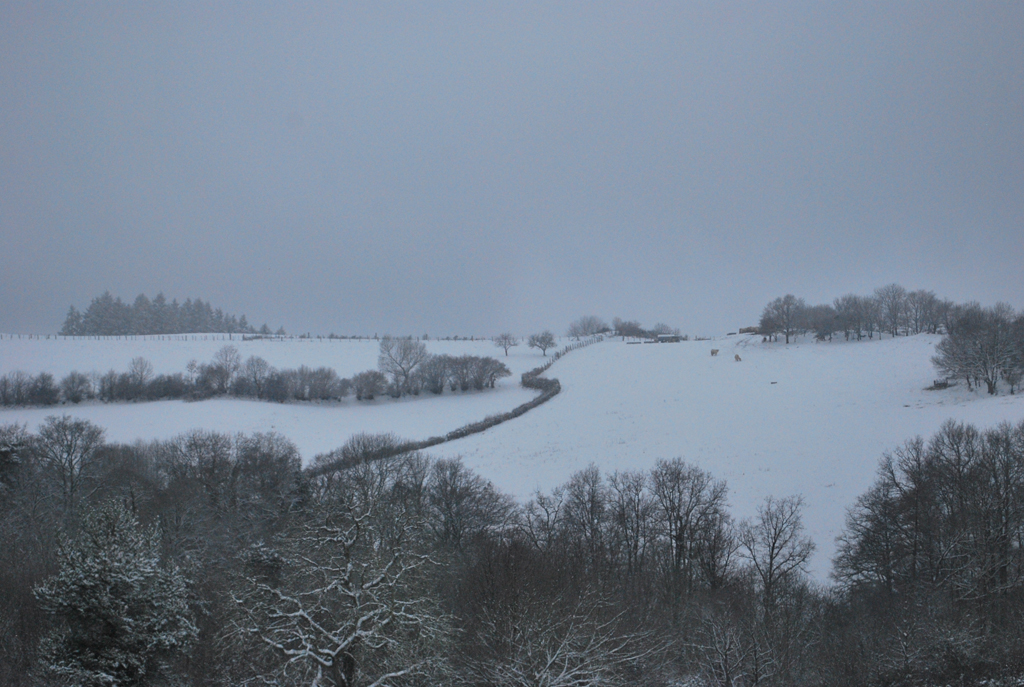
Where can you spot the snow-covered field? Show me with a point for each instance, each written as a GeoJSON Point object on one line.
{"type": "Point", "coordinates": [818, 430]}
{"type": "Point", "coordinates": [314, 427]}
{"type": "Point", "coordinates": [809, 419]}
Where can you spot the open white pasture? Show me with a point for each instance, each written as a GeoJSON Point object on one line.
{"type": "Point", "coordinates": [314, 427]}
{"type": "Point", "coordinates": [810, 419]}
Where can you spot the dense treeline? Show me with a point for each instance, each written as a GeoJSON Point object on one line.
{"type": "Point", "coordinates": [405, 367]}
{"type": "Point", "coordinates": [110, 316]}
{"type": "Point", "coordinates": [890, 309]}
{"type": "Point", "coordinates": [217, 560]}
{"type": "Point", "coordinates": [979, 345]}
{"type": "Point", "coordinates": [20, 389]}
{"type": "Point", "coordinates": [931, 563]}
{"type": "Point", "coordinates": [983, 345]}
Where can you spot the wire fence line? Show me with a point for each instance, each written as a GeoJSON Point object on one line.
{"type": "Point", "coordinates": [216, 336]}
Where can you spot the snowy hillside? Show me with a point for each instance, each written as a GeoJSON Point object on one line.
{"type": "Point", "coordinates": [810, 419]}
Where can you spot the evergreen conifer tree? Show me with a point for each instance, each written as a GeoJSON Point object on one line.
{"type": "Point", "coordinates": [121, 616]}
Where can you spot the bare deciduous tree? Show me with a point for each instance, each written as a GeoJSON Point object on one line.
{"type": "Point", "coordinates": [980, 346]}
{"type": "Point", "coordinates": [1014, 372]}
{"type": "Point", "coordinates": [722, 652]}
{"type": "Point", "coordinates": [463, 504]}
{"type": "Point", "coordinates": [506, 341]}
{"type": "Point", "coordinates": [460, 372]}
{"type": "Point", "coordinates": [226, 362]}
{"type": "Point", "coordinates": [255, 372]}
{"type": "Point", "coordinates": [632, 519]}
{"type": "Point", "coordinates": [140, 371]}
{"type": "Point", "coordinates": [892, 303]}
{"type": "Point", "coordinates": [589, 325]}
{"type": "Point", "coordinates": [584, 517]}
{"type": "Point", "coordinates": [369, 384]}
{"type": "Point", "coordinates": [922, 311]}
{"type": "Point", "coordinates": [624, 328]}
{"type": "Point", "coordinates": [342, 607]}
{"type": "Point", "coordinates": [492, 370]}
{"type": "Point", "coordinates": [543, 341]}
{"type": "Point", "coordinates": [543, 644]}
{"type": "Point", "coordinates": [784, 315]}
{"type": "Point", "coordinates": [542, 519]}
{"type": "Point", "coordinates": [774, 544]}
{"type": "Point", "coordinates": [849, 315]}
{"type": "Point", "coordinates": [67, 447]}
{"type": "Point", "coordinates": [485, 372]}
{"type": "Point", "coordinates": [399, 358]}
{"type": "Point", "coordinates": [75, 387]}
{"type": "Point", "coordinates": [689, 504]}
{"type": "Point", "coordinates": [821, 319]}
{"type": "Point", "coordinates": [434, 373]}
{"type": "Point", "coordinates": [661, 328]}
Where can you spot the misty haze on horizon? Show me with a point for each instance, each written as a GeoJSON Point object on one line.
{"type": "Point", "coordinates": [472, 168]}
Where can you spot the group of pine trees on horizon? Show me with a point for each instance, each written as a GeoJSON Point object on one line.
{"type": "Point", "coordinates": [110, 316]}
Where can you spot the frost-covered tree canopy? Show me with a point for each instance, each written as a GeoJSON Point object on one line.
{"type": "Point", "coordinates": [120, 614]}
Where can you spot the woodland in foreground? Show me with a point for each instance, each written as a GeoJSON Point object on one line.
{"type": "Point", "coordinates": [218, 560]}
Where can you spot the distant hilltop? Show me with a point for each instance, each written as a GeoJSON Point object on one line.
{"type": "Point", "coordinates": [110, 316]}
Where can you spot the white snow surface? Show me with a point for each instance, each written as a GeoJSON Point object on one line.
{"type": "Point", "coordinates": [818, 431]}
{"type": "Point", "coordinates": [314, 427]}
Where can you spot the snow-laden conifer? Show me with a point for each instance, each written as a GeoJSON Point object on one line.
{"type": "Point", "coordinates": [120, 615]}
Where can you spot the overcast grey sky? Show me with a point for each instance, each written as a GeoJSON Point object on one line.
{"type": "Point", "coordinates": [466, 168]}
